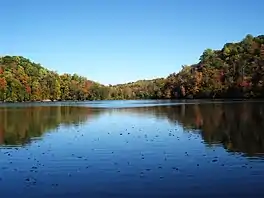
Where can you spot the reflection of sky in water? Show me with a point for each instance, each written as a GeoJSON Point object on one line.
{"type": "Point", "coordinates": [126, 153]}
{"type": "Point", "coordinates": [122, 103]}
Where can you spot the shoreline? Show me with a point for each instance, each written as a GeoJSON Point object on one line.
{"type": "Point", "coordinates": [163, 99]}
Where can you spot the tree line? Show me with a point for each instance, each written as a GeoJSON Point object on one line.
{"type": "Point", "coordinates": [235, 71]}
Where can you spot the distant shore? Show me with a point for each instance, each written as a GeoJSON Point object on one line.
{"type": "Point", "coordinates": [175, 99]}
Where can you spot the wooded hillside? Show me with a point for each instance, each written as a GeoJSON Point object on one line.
{"type": "Point", "coordinates": [235, 71]}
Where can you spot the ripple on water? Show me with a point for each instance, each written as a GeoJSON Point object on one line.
{"type": "Point", "coordinates": [143, 152]}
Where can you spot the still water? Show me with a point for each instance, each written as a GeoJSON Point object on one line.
{"type": "Point", "coordinates": [132, 149]}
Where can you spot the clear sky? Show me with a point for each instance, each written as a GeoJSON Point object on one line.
{"type": "Point", "coordinates": [117, 41]}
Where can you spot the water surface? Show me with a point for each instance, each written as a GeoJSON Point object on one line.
{"type": "Point", "coordinates": [132, 149]}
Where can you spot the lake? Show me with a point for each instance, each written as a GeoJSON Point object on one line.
{"type": "Point", "coordinates": [131, 149]}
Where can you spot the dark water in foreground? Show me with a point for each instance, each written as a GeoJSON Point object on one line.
{"type": "Point", "coordinates": [142, 150]}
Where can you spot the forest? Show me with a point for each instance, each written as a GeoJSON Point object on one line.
{"type": "Point", "coordinates": [235, 71]}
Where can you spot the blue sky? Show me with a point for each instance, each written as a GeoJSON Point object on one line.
{"type": "Point", "coordinates": [117, 41]}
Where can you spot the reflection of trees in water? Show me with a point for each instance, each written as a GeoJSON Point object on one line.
{"type": "Point", "coordinates": [19, 125]}
{"type": "Point", "coordinates": [239, 127]}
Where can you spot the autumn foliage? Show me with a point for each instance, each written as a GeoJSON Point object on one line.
{"type": "Point", "coordinates": [235, 71]}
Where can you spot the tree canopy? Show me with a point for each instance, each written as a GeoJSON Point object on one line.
{"type": "Point", "coordinates": [235, 71]}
